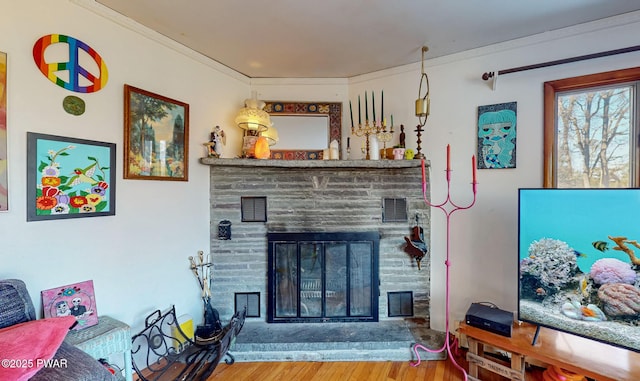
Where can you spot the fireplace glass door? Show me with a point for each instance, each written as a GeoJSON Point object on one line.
{"type": "Point", "coordinates": [318, 277]}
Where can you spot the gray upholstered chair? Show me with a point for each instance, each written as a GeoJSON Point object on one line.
{"type": "Point", "coordinates": [16, 307]}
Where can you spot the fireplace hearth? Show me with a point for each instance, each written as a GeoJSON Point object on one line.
{"type": "Point", "coordinates": [323, 277]}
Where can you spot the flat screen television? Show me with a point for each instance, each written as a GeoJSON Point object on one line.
{"type": "Point", "coordinates": [579, 262]}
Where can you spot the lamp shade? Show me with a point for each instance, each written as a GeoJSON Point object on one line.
{"type": "Point", "coordinates": [252, 116]}
{"type": "Point", "coordinates": [423, 106]}
{"type": "Point", "coordinates": [271, 134]}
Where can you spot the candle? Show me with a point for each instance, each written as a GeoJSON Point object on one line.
{"type": "Point", "coordinates": [359, 116]}
{"type": "Point", "coordinates": [373, 105]}
{"type": "Point", "coordinates": [392, 119]}
{"type": "Point", "coordinates": [473, 166]}
{"type": "Point", "coordinates": [351, 113]}
{"type": "Point", "coordinates": [366, 108]}
{"type": "Point", "coordinates": [382, 106]}
{"type": "Point", "coordinates": [448, 157]}
{"type": "Point", "coordinates": [348, 142]}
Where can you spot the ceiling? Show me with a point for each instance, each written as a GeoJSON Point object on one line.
{"type": "Point", "coordinates": [345, 38]}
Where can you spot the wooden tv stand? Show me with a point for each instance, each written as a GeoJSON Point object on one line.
{"type": "Point", "coordinates": [570, 352]}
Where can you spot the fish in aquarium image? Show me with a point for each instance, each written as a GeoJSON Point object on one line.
{"type": "Point", "coordinates": [593, 293]}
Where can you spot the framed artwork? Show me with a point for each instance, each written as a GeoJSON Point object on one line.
{"type": "Point", "coordinates": [4, 187]}
{"type": "Point", "coordinates": [76, 300]}
{"type": "Point", "coordinates": [156, 136]}
{"type": "Point", "coordinates": [332, 110]}
{"type": "Point", "coordinates": [497, 136]}
{"type": "Point", "coordinates": [69, 178]}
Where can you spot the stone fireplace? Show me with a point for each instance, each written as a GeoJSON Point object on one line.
{"type": "Point", "coordinates": [299, 196]}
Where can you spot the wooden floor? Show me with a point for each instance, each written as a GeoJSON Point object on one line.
{"type": "Point", "coordinates": [350, 371]}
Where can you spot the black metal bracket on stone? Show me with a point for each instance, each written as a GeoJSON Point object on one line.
{"type": "Point", "coordinates": [162, 351]}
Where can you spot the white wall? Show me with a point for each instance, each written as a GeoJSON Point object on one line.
{"type": "Point", "coordinates": [137, 258]}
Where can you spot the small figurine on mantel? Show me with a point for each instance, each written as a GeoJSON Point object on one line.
{"type": "Point", "coordinates": [216, 141]}
{"type": "Point", "coordinates": [402, 137]}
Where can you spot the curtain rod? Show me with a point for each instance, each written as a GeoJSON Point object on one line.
{"type": "Point", "coordinates": [490, 74]}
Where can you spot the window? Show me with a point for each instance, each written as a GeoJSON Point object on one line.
{"type": "Point", "coordinates": [591, 129]}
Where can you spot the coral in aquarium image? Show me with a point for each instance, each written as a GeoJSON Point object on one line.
{"type": "Point", "coordinates": [612, 270]}
{"type": "Point", "coordinates": [550, 267]}
{"type": "Point", "coordinates": [555, 289]}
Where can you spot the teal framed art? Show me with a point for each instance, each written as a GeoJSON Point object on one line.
{"type": "Point", "coordinates": [69, 177]}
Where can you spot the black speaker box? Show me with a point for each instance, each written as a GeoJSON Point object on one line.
{"type": "Point", "coordinates": [490, 318]}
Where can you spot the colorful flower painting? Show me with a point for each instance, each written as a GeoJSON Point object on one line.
{"type": "Point", "coordinates": [4, 192]}
{"type": "Point", "coordinates": [76, 300]}
{"type": "Point", "coordinates": [69, 177]}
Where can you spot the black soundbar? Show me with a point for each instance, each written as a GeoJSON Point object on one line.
{"type": "Point", "coordinates": [490, 318]}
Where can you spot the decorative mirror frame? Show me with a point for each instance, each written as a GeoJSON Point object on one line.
{"type": "Point", "coordinates": [332, 109]}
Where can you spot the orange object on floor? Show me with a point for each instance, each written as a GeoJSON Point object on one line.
{"type": "Point", "coordinates": [553, 373]}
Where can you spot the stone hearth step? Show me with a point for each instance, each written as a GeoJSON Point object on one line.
{"type": "Point", "coordinates": [382, 341]}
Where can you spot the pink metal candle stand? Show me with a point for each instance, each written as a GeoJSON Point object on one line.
{"type": "Point", "coordinates": [448, 207]}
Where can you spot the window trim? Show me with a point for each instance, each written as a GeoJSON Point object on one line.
{"type": "Point", "coordinates": [550, 117]}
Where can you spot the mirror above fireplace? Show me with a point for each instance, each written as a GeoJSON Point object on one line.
{"type": "Point", "coordinates": [308, 117]}
{"type": "Point", "coordinates": [301, 132]}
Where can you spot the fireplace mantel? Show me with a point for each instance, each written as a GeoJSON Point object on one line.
{"type": "Point", "coordinates": [381, 164]}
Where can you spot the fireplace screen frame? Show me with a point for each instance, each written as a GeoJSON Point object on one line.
{"type": "Point", "coordinates": [324, 299]}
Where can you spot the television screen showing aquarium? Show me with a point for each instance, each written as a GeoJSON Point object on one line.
{"type": "Point", "coordinates": [579, 262]}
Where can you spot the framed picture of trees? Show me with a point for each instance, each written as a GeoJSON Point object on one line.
{"type": "Point", "coordinates": [156, 136]}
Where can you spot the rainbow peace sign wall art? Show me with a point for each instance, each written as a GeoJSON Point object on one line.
{"type": "Point", "coordinates": [83, 72]}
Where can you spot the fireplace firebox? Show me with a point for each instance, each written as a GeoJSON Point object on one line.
{"type": "Point", "coordinates": [323, 277]}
